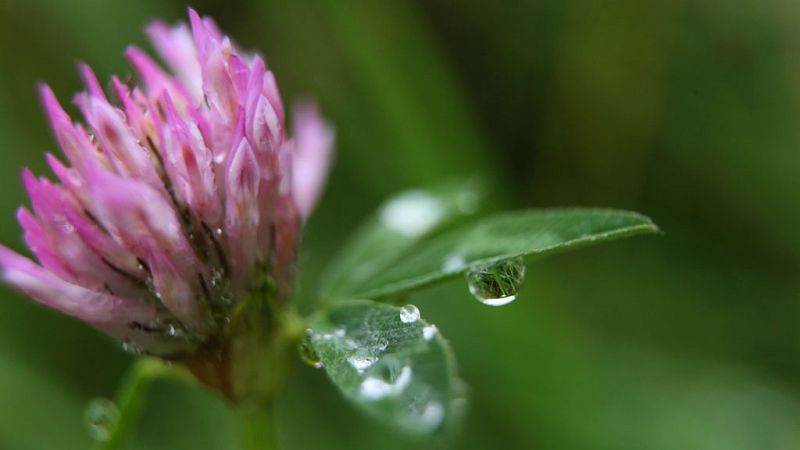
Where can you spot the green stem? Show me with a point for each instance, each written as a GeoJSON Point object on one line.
{"type": "Point", "coordinates": [258, 427]}
{"type": "Point", "coordinates": [131, 397]}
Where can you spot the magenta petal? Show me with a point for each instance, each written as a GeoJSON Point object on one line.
{"type": "Point", "coordinates": [242, 179]}
{"type": "Point", "coordinates": [54, 292]}
{"type": "Point", "coordinates": [92, 85]}
{"type": "Point", "coordinates": [177, 293]}
{"type": "Point", "coordinates": [174, 197]}
{"type": "Point", "coordinates": [314, 146]}
{"type": "Point", "coordinates": [176, 47]}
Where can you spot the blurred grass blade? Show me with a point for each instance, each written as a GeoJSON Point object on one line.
{"type": "Point", "coordinates": [389, 363]}
{"type": "Point", "coordinates": [499, 237]}
{"type": "Point", "coordinates": [400, 223]}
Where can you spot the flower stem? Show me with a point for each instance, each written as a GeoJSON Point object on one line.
{"type": "Point", "coordinates": [131, 397]}
{"type": "Point", "coordinates": [258, 427]}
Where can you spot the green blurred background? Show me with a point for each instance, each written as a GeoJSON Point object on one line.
{"type": "Point", "coordinates": [684, 110]}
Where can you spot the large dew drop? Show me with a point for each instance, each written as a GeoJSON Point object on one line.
{"type": "Point", "coordinates": [409, 314]}
{"type": "Point", "coordinates": [496, 284]}
{"type": "Point", "coordinates": [100, 416]}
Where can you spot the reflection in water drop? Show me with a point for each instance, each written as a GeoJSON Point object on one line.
{"type": "Point", "coordinates": [429, 332]}
{"type": "Point", "coordinates": [373, 388]}
{"type": "Point", "coordinates": [409, 314]}
{"type": "Point", "coordinates": [497, 283]}
{"type": "Point", "coordinates": [413, 213]}
{"type": "Point", "coordinates": [101, 415]}
{"type": "Point", "coordinates": [307, 351]}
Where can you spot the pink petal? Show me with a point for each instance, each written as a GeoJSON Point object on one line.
{"type": "Point", "coordinates": [242, 179]}
{"type": "Point", "coordinates": [176, 47]}
{"type": "Point", "coordinates": [90, 306]}
{"type": "Point", "coordinates": [314, 140]}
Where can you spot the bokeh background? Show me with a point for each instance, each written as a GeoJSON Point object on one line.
{"type": "Point", "coordinates": [684, 110]}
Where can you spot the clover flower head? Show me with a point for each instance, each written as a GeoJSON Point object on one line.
{"type": "Point", "coordinates": [179, 197]}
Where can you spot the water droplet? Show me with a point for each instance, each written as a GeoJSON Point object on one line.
{"type": "Point", "coordinates": [432, 415]}
{"type": "Point", "coordinates": [381, 344]}
{"type": "Point", "coordinates": [216, 276]}
{"type": "Point", "coordinates": [218, 231]}
{"type": "Point", "coordinates": [496, 284]}
{"type": "Point", "coordinates": [429, 332]}
{"type": "Point", "coordinates": [100, 416]}
{"type": "Point", "coordinates": [307, 351]}
{"type": "Point", "coordinates": [361, 361]}
{"type": "Point", "coordinates": [131, 347]}
{"type": "Point", "coordinates": [373, 388]}
{"type": "Point", "coordinates": [413, 213]}
{"type": "Point", "coordinates": [68, 227]}
{"type": "Point", "coordinates": [409, 314]}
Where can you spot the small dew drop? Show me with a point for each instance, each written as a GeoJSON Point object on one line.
{"type": "Point", "coordinates": [381, 344]}
{"type": "Point", "coordinates": [100, 416]}
{"type": "Point", "coordinates": [218, 231]}
{"type": "Point", "coordinates": [429, 332]}
{"type": "Point", "coordinates": [361, 362]}
{"type": "Point", "coordinates": [131, 347]}
{"type": "Point", "coordinates": [307, 351]}
{"type": "Point", "coordinates": [497, 283]}
{"type": "Point", "coordinates": [409, 314]}
{"type": "Point", "coordinates": [373, 388]}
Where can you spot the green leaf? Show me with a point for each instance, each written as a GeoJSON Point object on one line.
{"type": "Point", "coordinates": [399, 370]}
{"type": "Point", "coordinates": [502, 236]}
{"type": "Point", "coordinates": [401, 222]}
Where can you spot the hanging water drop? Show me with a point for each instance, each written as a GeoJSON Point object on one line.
{"type": "Point", "coordinates": [497, 283]}
{"type": "Point", "coordinates": [101, 415]}
{"type": "Point", "coordinates": [409, 314]}
{"type": "Point", "coordinates": [307, 351]}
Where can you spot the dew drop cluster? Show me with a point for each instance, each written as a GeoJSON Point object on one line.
{"type": "Point", "coordinates": [385, 373]}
